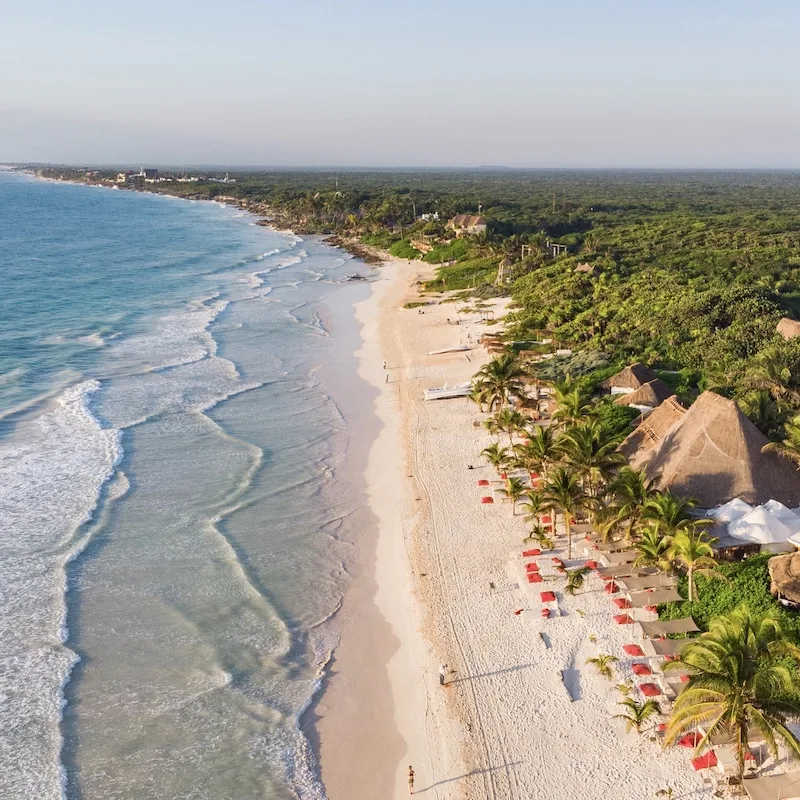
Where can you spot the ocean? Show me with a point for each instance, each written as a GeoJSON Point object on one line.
{"type": "Point", "coordinates": [182, 437]}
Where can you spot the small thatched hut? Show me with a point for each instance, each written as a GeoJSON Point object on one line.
{"type": "Point", "coordinates": [630, 379]}
{"type": "Point", "coordinates": [784, 572]}
{"type": "Point", "coordinates": [788, 328]}
{"type": "Point", "coordinates": [710, 451]}
{"type": "Point", "coordinates": [646, 397]}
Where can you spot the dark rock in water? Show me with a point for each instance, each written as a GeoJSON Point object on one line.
{"type": "Point", "coordinates": [356, 277]}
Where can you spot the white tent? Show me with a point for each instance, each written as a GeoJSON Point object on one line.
{"type": "Point", "coordinates": [761, 527]}
{"type": "Point", "coordinates": [780, 511]}
{"type": "Point", "coordinates": [732, 510]}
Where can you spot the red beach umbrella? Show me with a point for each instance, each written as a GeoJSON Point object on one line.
{"type": "Point", "coordinates": [532, 567]}
{"type": "Point", "coordinates": [623, 619]}
{"type": "Point", "coordinates": [548, 597]}
{"type": "Point", "coordinates": [649, 689]}
{"type": "Point", "coordinates": [633, 650]}
{"type": "Point", "coordinates": [622, 602]}
{"type": "Point", "coordinates": [487, 500]}
{"type": "Point", "coordinates": [611, 588]}
{"type": "Point", "coordinates": [545, 613]}
{"type": "Point", "coordinates": [689, 740]}
{"type": "Point", "coordinates": [531, 553]}
{"type": "Point", "coordinates": [546, 519]}
{"type": "Point", "coordinates": [483, 482]}
{"type": "Point", "coordinates": [591, 564]}
{"type": "Point", "coordinates": [535, 577]}
{"type": "Point", "coordinates": [642, 669]}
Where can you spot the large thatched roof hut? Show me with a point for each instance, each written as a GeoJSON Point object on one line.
{"type": "Point", "coordinates": [633, 377]}
{"type": "Point", "coordinates": [784, 572]}
{"type": "Point", "coordinates": [788, 328]}
{"type": "Point", "coordinates": [652, 394]}
{"type": "Point", "coordinates": [710, 451]}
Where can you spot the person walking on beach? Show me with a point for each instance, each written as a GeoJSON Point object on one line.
{"type": "Point", "coordinates": [442, 674]}
{"type": "Point", "coordinates": [410, 779]}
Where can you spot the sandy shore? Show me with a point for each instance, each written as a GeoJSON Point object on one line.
{"type": "Point", "coordinates": [448, 577]}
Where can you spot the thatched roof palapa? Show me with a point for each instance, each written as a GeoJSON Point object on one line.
{"type": "Point", "coordinates": [784, 572]}
{"type": "Point", "coordinates": [652, 394]}
{"type": "Point", "coordinates": [711, 452]}
{"type": "Point", "coordinates": [788, 328]}
{"type": "Point", "coordinates": [632, 377]}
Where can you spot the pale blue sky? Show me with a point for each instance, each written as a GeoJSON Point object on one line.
{"type": "Point", "coordinates": [555, 83]}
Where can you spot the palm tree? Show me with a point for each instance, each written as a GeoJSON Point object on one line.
{"type": "Point", "coordinates": [539, 453]}
{"type": "Point", "coordinates": [541, 537]}
{"type": "Point", "coordinates": [575, 579]}
{"type": "Point", "coordinates": [571, 407]}
{"type": "Point", "coordinates": [513, 490]}
{"type": "Point", "coordinates": [653, 548]}
{"type": "Point", "coordinates": [603, 665]}
{"type": "Point", "coordinates": [630, 492]}
{"type": "Point", "coordinates": [495, 455]}
{"type": "Point", "coordinates": [591, 452]}
{"type": "Point", "coordinates": [636, 714]}
{"type": "Point", "coordinates": [563, 490]}
{"type": "Point", "coordinates": [737, 685]}
{"type": "Point", "coordinates": [790, 446]}
{"type": "Point", "coordinates": [689, 548]}
{"type": "Point", "coordinates": [668, 512]}
{"type": "Point", "coordinates": [510, 421]}
{"type": "Point", "coordinates": [497, 380]}
{"type": "Point", "coordinates": [533, 506]}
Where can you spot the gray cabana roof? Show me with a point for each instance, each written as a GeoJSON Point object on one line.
{"type": "Point", "coordinates": [657, 581]}
{"type": "Point", "coordinates": [685, 625]}
{"type": "Point", "coordinates": [623, 557]}
{"type": "Point", "coordinates": [668, 647]}
{"type": "Point", "coordinates": [618, 570]}
{"type": "Point", "coordinates": [642, 599]}
{"type": "Point", "coordinates": [774, 787]}
{"type": "Point", "coordinates": [613, 547]}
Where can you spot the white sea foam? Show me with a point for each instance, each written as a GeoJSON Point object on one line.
{"type": "Point", "coordinates": [51, 475]}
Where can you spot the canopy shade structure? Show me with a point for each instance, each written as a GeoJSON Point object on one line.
{"type": "Point", "coordinates": [613, 547]}
{"type": "Point", "coordinates": [668, 647]}
{"type": "Point", "coordinates": [779, 511]}
{"type": "Point", "coordinates": [761, 527]}
{"type": "Point", "coordinates": [655, 598]}
{"type": "Point", "coordinates": [712, 452]}
{"type": "Point", "coordinates": [730, 511]}
{"type": "Point", "coordinates": [616, 570]}
{"type": "Point", "coordinates": [657, 581]}
{"type": "Point", "coordinates": [654, 629]}
{"type": "Point", "coordinates": [622, 557]}
{"type": "Point", "coordinates": [774, 787]}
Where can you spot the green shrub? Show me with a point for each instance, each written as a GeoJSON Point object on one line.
{"type": "Point", "coordinates": [403, 249]}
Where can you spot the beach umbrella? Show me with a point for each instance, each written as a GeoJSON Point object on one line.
{"type": "Point", "coordinates": [649, 689]}
{"type": "Point", "coordinates": [487, 500]}
{"type": "Point", "coordinates": [483, 482]}
{"type": "Point", "coordinates": [591, 564]}
{"type": "Point", "coordinates": [545, 612]}
{"type": "Point", "coordinates": [532, 567]}
{"type": "Point", "coordinates": [531, 553]}
{"type": "Point", "coordinates": [548, 597]}
{"type": "Point", "coordinates": [611, 588]}
{"type": "Point", "coordinates": [534, 577]}
{"type": "Point", "coordinates": [689, 740]}
{"type": "Point", "coordinates": [623, 619]}
{"type": "Point", "coordinates": [621, 602]}
{"type": "Point", "coordinates": [642, 669]}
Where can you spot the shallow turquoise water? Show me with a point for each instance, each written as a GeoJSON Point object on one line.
{"type": "Point", "coordinates": [178, 399]}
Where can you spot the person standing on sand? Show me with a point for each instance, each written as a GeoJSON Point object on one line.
{"type": "Point", "coordinates": [410, 779]}
{"type": "Point", "coordinates": [442, 674]}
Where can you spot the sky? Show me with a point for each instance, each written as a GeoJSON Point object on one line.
{"type": "Point", "coordinates": [522, 83]}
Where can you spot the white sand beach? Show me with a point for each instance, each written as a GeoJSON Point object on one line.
{"type": "Point", "coordinates": [448, 578]}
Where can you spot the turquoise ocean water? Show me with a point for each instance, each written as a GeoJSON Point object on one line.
{"type": "Point", "coordinates": [179, 517]}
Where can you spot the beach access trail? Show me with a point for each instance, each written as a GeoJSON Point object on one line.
{"type": "Point", "coordinates": [450, 577]}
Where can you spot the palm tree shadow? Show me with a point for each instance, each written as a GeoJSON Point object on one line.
{"type": "Point", "coordinates": [490, 674]}
{"type": "Point", "coordinates": [468, 775]}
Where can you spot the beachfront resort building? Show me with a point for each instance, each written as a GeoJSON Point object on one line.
{"type": "Point", "coordinates": [630, 379]}
{"type": "Point", "coordinates": [467, 225]}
